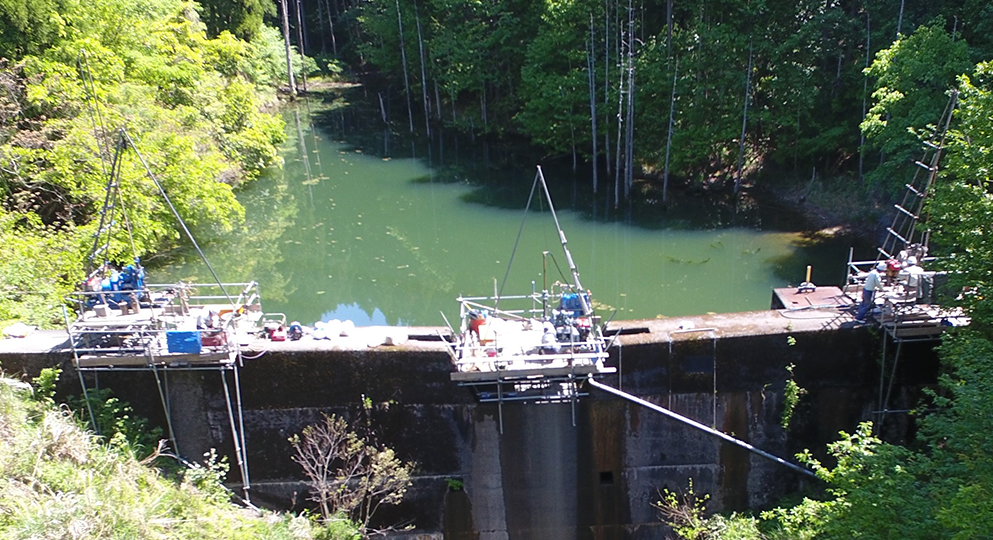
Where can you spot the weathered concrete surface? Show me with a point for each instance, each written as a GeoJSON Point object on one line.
{"type": "Point", "coordinates": [543, 477]}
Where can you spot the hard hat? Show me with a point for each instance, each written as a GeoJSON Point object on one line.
{"type": "Point", "coordinates": [881, 266]}
{"type": "Point", "coordinates": [911, 260]}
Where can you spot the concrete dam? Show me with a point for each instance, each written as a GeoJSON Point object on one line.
{"type": "Point", "coordinates": [588, 470]}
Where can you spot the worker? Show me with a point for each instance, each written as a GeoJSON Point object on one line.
{"type": "Point", "coordinates": [549, 345]}
{"type": "Point", "coordinates": [872, 284]}
{"type": "Point", "coordinates": [912, 275]}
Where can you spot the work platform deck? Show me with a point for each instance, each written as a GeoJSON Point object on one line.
{"type": "Point", "coordinates": [820, 297]}
{"type": "Point", "coordinates": [113, 338]}
{"type": "Point", "coordinates": [530, 370]}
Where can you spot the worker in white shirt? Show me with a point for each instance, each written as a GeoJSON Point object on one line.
{"type": "Point", "coordinates": [872, 284]}
{"type": "Point", "coordinates": [911, 275]}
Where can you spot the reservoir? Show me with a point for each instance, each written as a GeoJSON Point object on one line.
{"type": "Point", "coordinates": [362, 224]}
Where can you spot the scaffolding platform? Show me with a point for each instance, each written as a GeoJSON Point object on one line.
{"type": "Point", "coordinates": [539, 347]}
{"type": "Point", "coordinates": [904, 319]}
{"type": "Point", "coordinates": [175, 326]}
{"type": "Point", "coordinates": [526, 369]}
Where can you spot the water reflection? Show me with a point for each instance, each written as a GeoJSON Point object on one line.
{"type": "Point", "coordinates": [360, 224]}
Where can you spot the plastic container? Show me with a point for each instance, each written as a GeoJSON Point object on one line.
{"type": "Point", "coordinates": [183, 341]}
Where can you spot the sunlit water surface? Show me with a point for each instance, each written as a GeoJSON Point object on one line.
{"type": "Point", "coordinates": [341, 233]}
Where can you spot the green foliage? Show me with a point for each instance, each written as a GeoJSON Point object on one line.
{"type": "Point", "coordinates": [116, 422]}
{"type": "Point", "coordinates": [554, 78]}
{"type": "Point", "coordinates": [879, 490]}
{"type": "Point", "coordinates": [959, 437]}
{"type": "Point", "coordinates": [348, 473]}
{"type": "Point", "coordinates": [58, 481]}
{"type": "Point", "coordinates": [912, 77]}
{"type": "Point", "coordinates": [792, 392]}
{"type": "Point", "coordinates": [30, 252]}
{"type": "Point", "coordinates": [243, 18]}
{"type": "Point", "coordinates": [962, 209]}
{"type": "Point", "coordinates": [27, 26]}
{"type": "Point", "coordinates": [454, 484]}
{"type": "Point", "coordinates": [339, 527]}
{"type": "Point", "coordinates": [940, 490]}
{"type": "Point", "coordinates": [208, 478]}
{"type": "Point", "coordinates": [685, 513]}
{"type": "Point", "coordinates": [528, 69]}
{"type": "Point", "coordinates": [44, 384]}
{"type": "Point", "coordinates": [488, 71]}
{"type": "Point", "coordinates": [269, 59]}
{"type": "Point", "coordinates": [191, 104]}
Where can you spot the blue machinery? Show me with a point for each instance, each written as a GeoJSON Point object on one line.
{"type": "Point", "coordinates": [530, 353]}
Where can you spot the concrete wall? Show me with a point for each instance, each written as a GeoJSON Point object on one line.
{"type": "Point", "coordinates": [544, 478]}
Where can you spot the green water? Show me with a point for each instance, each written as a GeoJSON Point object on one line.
{"type": "Point", "coordinates": [341, 232]}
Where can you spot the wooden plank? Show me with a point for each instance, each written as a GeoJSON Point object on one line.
{"type": "Point", "coordinates": [165, 360]}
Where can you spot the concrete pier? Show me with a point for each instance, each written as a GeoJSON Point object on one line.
{"type": "Point", "coordinates": [543, 477]}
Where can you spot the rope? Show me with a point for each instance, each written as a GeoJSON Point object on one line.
{"type": "Point", "coordinates": [148, 171]}
{"type": "Point", "coordinates": [83, 64]}
{"type": "Point", "coordinates": [518, 240]}
{"type": "Point", "coordinates": [557, 267]}
{"type": "Point", "coordinates": [124, 210]}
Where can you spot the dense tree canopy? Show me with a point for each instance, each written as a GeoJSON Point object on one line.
{"type": "Point", "coordinates": [243, 18]}
{"type": "Point", "coordinates": [192, 105]}
{"type": "Point", "coordinates": [819, 71]}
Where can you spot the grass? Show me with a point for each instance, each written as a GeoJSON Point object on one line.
{"type": "Point", "coordinates": [58, 481]}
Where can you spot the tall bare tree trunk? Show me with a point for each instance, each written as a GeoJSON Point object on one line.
{"type": "Point", "coordinates": [406, 78]}
{"type": "Point", "coordinates": [668, 28]}
{"type": "Point", "coordinates": [606, 82]}
{"type": "Point", "coordinates": [482, 106]}
{"type": "Point", "coordinates": [382, 108]}
{"type": "Point", "coordinates": [668, 138]}
{"type": "Point", "coordinates": [620, 128]}
{"type": "Point", "coordinates": [744, 122]}
{"type": "Point", "coordinates": [334, 42]}
{"type": "Point", "coordinates": [300, 43]}
{"type": "Point", "coordinates": [591, 70]}
{"type": "Point", "coordinates": [437, 100]}
{"type": "Point", "coordinates": [629, 131]}
{"type": "Point", "coordinates": [320, 25]}
{"type": "Point", "coordinates": [899, 19]}
{"type": "Point", "coordinates": [865, 95]}
{"type": "Point", "coordinates": [424, 75]}
{"type": "Point", "coordinates": [286, 41]}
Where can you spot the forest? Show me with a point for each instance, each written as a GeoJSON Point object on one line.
{"type": "Point", "coordinates": [706, 93]}
{"type": "Point", "coordinates": [719, 95]}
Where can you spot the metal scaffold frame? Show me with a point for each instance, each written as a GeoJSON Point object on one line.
{"type": "Point", "coordinates": [542, 347]}
{"type": "Point", "coordinates": [125, 343]}
{"type": "Point", "coordinates": [906, 312]}
{"type": "Point", "coordinates": [124, 325]}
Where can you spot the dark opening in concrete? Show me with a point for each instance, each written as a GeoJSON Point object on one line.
{"type": "Point", "coordinates": [606, 478]}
